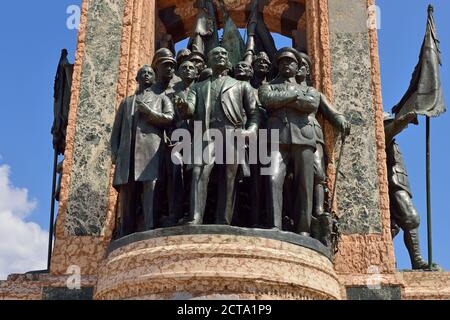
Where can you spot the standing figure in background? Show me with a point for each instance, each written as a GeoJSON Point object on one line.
{"type": "Point", "coordinates": [261, 67]}
{"type": "Point", "coordinates": [243, 71]}
{"type": "Point", "coordinates": [259, 36]}
{"type": "Point", "coordinates": [205, 35]}
{"type": "Point", "coordinates": [137, 147]}
{"type": "Point", "coordinates": [403, 213]}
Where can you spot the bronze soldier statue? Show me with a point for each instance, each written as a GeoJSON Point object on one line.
{"type": "Point", "coordinates": [205, 35]}
{"type": "Point", "coordinates": [403, 213]}
{"type": "Point", "coordinates": [221, 103]}
{"type": "Point", "coordinates": [259, 37]}
{"type": "Point", "coordinates": [182, 56]}
{"type": "Point", "coordinates": [284, 99]}
{"type": "Point", "coordinates": [137, 146]}
{"type": "Point", "coordinates": [338, 120]}
{"type": "Point", "coordinates": [292, 107]}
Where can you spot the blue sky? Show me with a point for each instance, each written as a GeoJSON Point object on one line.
{"type": "Point", "coordinates": [35, 31]}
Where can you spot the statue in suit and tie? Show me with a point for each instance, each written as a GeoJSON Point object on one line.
{"type": "Point", "coordinates": [222, 105]}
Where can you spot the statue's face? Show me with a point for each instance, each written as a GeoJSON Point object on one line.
{"type": "Point", "coordinates": [303, 72]}
{"type": "Point", "coordinates": [288, 67]}
{"type": "Point", "coordinates": [199, 64]}
{"type": "Point", "coordinates": [187, 70]}
{"type": "Point", "coordinates": [218, 57]}
{"type": "Point", "coordinates": [166, 70]}
{"type": "Point", "coordinates": [146, 76]}
{"type": "Point", "coordinates": [261, 66]}
{"type": "Point", "coordinates": [243, 70]}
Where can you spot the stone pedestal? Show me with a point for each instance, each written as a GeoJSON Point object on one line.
{"type": "Point", "coordinates": [243, 264]}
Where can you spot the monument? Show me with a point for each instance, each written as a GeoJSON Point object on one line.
{"type": "Point", "coordinates": [156, 201]}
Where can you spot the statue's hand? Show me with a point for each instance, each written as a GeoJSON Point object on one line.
{"type": "Point", "coordinates": [344, 126]}
{"type": "Point", "coordinates": [251, 132]}
{"type": "Point", "coordinates": [180, 103]}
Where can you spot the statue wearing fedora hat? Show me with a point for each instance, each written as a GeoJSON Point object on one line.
{"type": "Point", "coordinates": [137, 145]}
{"type": "Point", "coordinates": [291, 107]}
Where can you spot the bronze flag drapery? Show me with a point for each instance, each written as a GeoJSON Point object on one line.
{"type": "Point", "coordinates": [231, 39]}
{"type": "Point", "coordinates": [424, 95]}
{"type": "Point", "coordinates": [61, 103]}
{"type": "Point", "coordinates": [62, 92]}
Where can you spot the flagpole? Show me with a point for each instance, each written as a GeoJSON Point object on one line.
{"type": "Point", "coordinates": [430, 248]}
{"type": "Point", "coordinates": [52, 212]}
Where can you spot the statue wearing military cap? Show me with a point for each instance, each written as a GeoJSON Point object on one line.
{"type": "Point", "coordinates": [322, 218]}
{"type": "Point", "coordinates": [291, 107]}
{"type": "Point", "coordinates": [182, 56]}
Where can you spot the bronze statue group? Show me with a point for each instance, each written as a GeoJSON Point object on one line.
{"type": "Point", "coordinates": [228, 85]}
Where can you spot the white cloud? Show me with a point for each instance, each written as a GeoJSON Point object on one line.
{"type": "Point", "coordinates": [23, 245]}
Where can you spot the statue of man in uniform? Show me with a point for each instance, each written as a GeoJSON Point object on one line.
{"type": "Point", "coordinates": [338, 120]}
{"type": "Point", "coordinates": [292, 107]}
{"type": "Point", "coordinates": [137, 147]}
{"type": "Point", "coordinates": [403, 213]}
{"type": "Point", "coordinates": [283, 99]}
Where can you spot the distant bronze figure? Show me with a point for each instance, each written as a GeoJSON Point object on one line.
{"type": "Point", "coordinates": [243, 71]}
{"type": "Point", "coordinates": [220, 103]}
{"type": "Point", "coordinates": [259, 36]}
{"type": "Point", "coordinates": [205, 35]}
{"type": "Point", "coordinates": [182, 56]}
{"type": "Point", "coordinates": [137, 145]}
{"type": "Point", "coordinates": [403, 213]}
{"type": "Point", "coordinates": [261, 67]}
{"type": "Point", "coordinates": [231, 38]}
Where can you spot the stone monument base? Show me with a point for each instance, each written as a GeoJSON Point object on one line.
{"type": "Point", "coordinates": [217, 262]}
{"type": "Point", "coordinates": [221, 262]}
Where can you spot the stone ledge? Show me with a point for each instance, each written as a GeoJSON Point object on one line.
{"type": "Point", "coordinates": [425, 285]}
{"type": "Point", "coordinates": [213, 265]}
{"type": "Point", "coordinates": [288, 237]}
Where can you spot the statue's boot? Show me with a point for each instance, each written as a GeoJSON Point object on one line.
{"type": "Point", "coordinates": [326, 227]}
{"type": "Point", "coordinates": [315, 228]}
{"type": "Point", "coordinates": [412, 243]}
{"type": "Point", "coordinates": [395, 229]}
